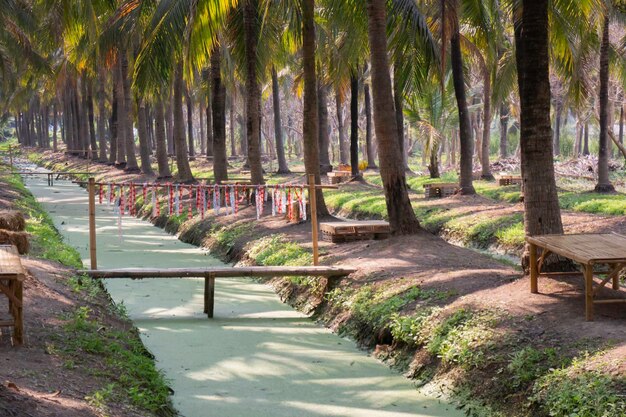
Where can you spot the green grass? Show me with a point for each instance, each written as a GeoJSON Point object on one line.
{"type": "Point", "coordinates": [576, 391]}
{"type": "Point", "coordinates": [128, 364]}
{"type": "Point", "coordinates": [46, 242]}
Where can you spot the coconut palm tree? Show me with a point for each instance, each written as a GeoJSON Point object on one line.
{"type": "Point", "coordinates": [542, 214]}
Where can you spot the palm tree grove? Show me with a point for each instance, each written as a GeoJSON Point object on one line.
{"type": "Point", "coordinates": [307, 208]}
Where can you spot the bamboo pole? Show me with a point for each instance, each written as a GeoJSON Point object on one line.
{"type": "Point", "coordinates": [92, 223]}
{"type": "Point", "coordinates": [313, 202]}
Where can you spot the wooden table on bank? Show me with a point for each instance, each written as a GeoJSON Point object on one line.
{"type": "Point", "coordinates": [588, 250]}
{"type": "Point", "coordinates": [12, 275]}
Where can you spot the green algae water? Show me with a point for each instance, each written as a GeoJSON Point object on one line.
{"type": "Point", "coordinates": [257, 358]}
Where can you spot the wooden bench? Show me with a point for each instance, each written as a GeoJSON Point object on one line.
{"type": "Point", "coordinates": [506, 180]}
{"type": "Point", "coordinates": [12, 275]}
{"type": "Point", "coordinates": [588, 250]}
{"type": "Point", "coordinates": [440, 190]}
{"type": "Point", "coordinates": [338, 232]}
{"type": "Point", "coordinates": [210, 274]}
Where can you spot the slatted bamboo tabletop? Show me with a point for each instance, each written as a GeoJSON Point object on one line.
{"type": "Point", "coordinates": [12, 274]}
{"type": "Point", "coordinates": [588, 250]}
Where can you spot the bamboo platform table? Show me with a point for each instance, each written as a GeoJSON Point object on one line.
{"type": "Point", "coordinates": [440, 190]}
{"type": "Point", "coordinates": [12, 275]}
{"type": "Point", "coordinates": [336, 177]}
{"type": "Point", "coordinates": [587, 250]}
{"type": "Point", "coordinates": [338, 232]}
{"type": "Point", "coordinates": [505, 180]}
{"type": "Point", "coordinates": [210, 274]}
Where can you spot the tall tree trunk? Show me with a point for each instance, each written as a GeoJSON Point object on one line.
{"type": "Point", "coordinates": [586, 139]}
{"type": "Point", "coordinates": [310, 132]}
{"type": "Point", "coordinates": [120, 119]}
{"type": "Point", "coordinates": [180, 144]}
{"type": "Point", "coordinates": [201, 113]}
{"type": "Point", "coordinates": [604, 183]}
{"type": "Point", "coordinates": [189, 102]}
{"type": "Point", "coordinates": [144, 140]}
{"type": "Point", "coordinates": [55, 121]}
{"type": "Point", "coordinates": [369, 142]}
{"type": "Point", "coordinates": [101, 97]}
{"type": "Point", "coordinates": [220, 166]}
{"type": "Point", "coordinates": [253, 92]}
{"type": "Point", "coordinates": [486, 142]}
{"type": "Point", "coordinates": [278, 125]}
{"type": "Point", "coordinates": [323, 137]}
{"type": "Point", "coordinates": [557, 126]}
{"type": "Point", "coordinates": [161, 141]}
{"type": "Point", "coordinates": [131, 159]}
{"type": "Point", "coordinates": [621, 123]}
{"type": "Point", "coordinates": [398, 100]}
{"type": "Point", "coordinates": [354, 124]}
{"type": "Point", "coordinates": [433, 166]}
{"type": "Point", "coordinates": [542, 214]}
{"type": "Point", "coordinates": [231, 117]}
{"type": "Point", "coordinates": [209, 114]}
{"type": "Point", "coordinates": [504, 130]}
{"type": "Point", "coordinates": [467, 145]}
{"type": "Point", "coordinates": [402, 218]}
{"type": "Point", "coordinates": [91, 116]}
{"type": "Point", "coordinates": [169, 124]}
{"type": "Point", "coordinates": [343, 152]}
{"type": "Point", "coordinates": [113, 131]}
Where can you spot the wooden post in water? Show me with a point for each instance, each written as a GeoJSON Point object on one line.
{"type": "Point", "coordinates": [92, 222]}
{"type": "Point", "coordinates": [313, 203]}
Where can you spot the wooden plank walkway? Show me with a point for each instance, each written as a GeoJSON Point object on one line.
{"type": "Point", "coordinates": [588, 250]}
{"type": "Point", "coordinates": [210, 274]}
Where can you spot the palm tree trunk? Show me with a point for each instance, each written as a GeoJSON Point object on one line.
{"type": "Point", "coordinates": [102, 115]}
{"type": "Point", "coordinates": [586, 139]}
{"type": "Point", "coordinates": [369, 142]}
{"type": "Point", "coordinates": [131, 159]}
{"type": "Point", "coordinates": [402, 218]}
{"type": "Point", "coordinates": [604, 183]}
{"type": "Point", "coordinates": [343, 152]}
{"type": "Point", "coordinates": [542, 214]}
{"type": "Point", "coordinates": [91, 116]}
{"type": "Point", "coordinates": [253, 92]}
{"type": "Point", "coordinates": [169, 124]}
{"type": "Point", "coordinates": [467, 145]}
{"type": "Point", "coordinates": [398, 101]}
{"type": "Point", "coordinates": [120, 118]}
{"type": "Point", "coordinates": [189, 102]}
{"type": "Point", "coordinates": [278, 125]}
{"type": "Point", "coordinates": [161, 141]}
{"type": "Point", "coordinates": [323, 137]}
{"type": "Point", "coordinates": [180, 144]}
{"type": "Point", "coordinates": [113, 131]}
{"type": "Point", "coordinates": [310, 132]}
{"type": "Point", "coordinates": [144, 140]}
{"type": "Point", "coordinates": [209, 114]}
{"type": "Point", "coordinates": [621, 123]}
{"type": "Point", "coordinates": [504, 130]}
{"type": "Point", "coordinates": [201, 113]}
{"type": "Point", "coordinates": [231, 123]}
{"type": "Point", "coordinates": [220, 166]}
{"type": "Point", "coordinates": [55, 122]}
{"type": "Point", "coordinates": [354, 124]}
{"type": "Point", "coordinates": [557, 126]}
{"type": "Point", "coordinates": [484, 161]}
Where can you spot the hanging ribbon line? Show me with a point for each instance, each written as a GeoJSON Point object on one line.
{"type": "Point", "coordinates": [288, 200]}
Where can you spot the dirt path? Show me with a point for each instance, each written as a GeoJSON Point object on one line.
{"type": "Point", "coordinates": [257, 357]}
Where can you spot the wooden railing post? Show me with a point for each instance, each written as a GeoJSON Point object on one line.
{"type": "Point", "coordinates": [92, 223]}
{"type": "Point", "coordinates": [313, 202]}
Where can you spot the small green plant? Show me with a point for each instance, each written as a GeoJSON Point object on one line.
{"type": "Point", "coordinates": [100, 397]}
{"type": "Point", "coordinates": [529, 363]}
{"type": "Point", "coordinates": [408, 329]}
